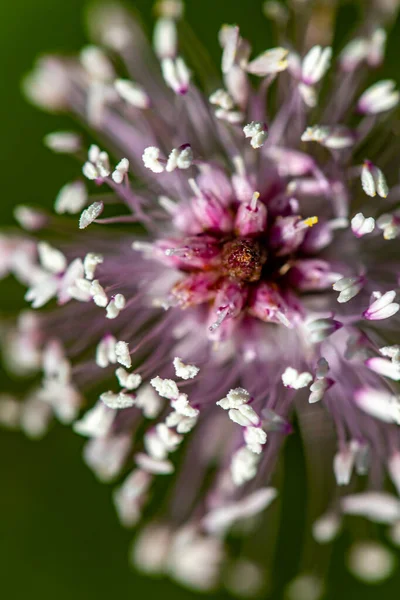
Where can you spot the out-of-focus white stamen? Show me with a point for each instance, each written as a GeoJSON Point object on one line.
{"type": "Point", "coordinates": [149, 401]}
{"type": "Point", "coordinates": [348, 288]}
{"type": "Point", "coordinates": [132, 93]}
{"type": "Point", "coordinates": [326, 528]}
{"type": "Point", "coordinates": [153, 465]}
{"type": "Point", "coordinates": [96, 422]}
{"type": "Point", "coordinates": [379, 507]}
{"type": "Point", "coordinates": [379, 403]}
{"type": "Point", "coordinates": [269, 62]}
{"type": "Point", "coordinates": [71, 198]}
{"type": "Point", "coordinates": [222, 99]}
{"type": "Point", "coordinates": [244, 465]}
{"type": "Point", "coordinates": [96, 63]}
{"type": "Point", "coordinates": [315, 64]}
{"type": "Point", "coordinates": [52, 260]}
{"type": "Point", "coordinates": [373, 180]}
{"type": "Point", "coordinates": [371, 562]}
{"type": "Point", "coordinates": [105, 352]}
{"type": "Point", "coordinates": [384, 367]}
{"type": "Point", "coordinates": [380, 97]}
{"type": "Point", "coordinates": [390, 225]}
{"type": "Point", "coordinates": [382, 306]}
{"type": "Point", "coordinates": [343, 464]}
{"type": "Point", "coordinates": [63, 142]}
{"type": "Point", "coordinates": [176, 74]}
{"type": "Point", "coordinates": [165, 38]}
{"type": "Point", "coordinates": [293, 379]}
{"type": "Point", "coordinates": [361, 225]}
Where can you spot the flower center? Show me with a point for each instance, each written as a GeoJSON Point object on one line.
{"type": "Point", "coordinates": [242, 259]}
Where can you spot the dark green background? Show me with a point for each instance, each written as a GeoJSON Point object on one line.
{"type": "Point", "coordinates": [59, 536]}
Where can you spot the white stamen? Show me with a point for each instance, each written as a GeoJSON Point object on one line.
{"type": "Point", "coordinates": [234, 399]}
{"type": "Point", "coordinates": [90, 263]}
{"type": "Point", "coordinates": [269, 62]}
{"type": "Point", "coordinates": [255, 438]}
{"type": "Point", "coordinates": [181, 158]}
{"type": "Point", "coordinates": [244, 465]}
{"type": "Point", "coordinates": [151, 160]}
{"type": "Point", "coordinates": [90, 171]}
{"type": "Point", "coordinates": [382, 307]}
{"type": "Point", "coordinates": [115, 306]}
{"type": "Point", "coordinates": [117, 401]}
{"type": "Point", "coordinates": [392, 352]}
{"type": "Point", "coordinates": [343, 464]}
{"type": "Point", "coordinates": [176, 74]}
{"type": "Point", "coordinates": [293, 379]}
{"type": "Point", "coordinates": [98, 294]}
{"type": "Point", "coordinates": [378, 98]}
{"type": "Point", "coordinates": [120, 171]}
{"type": "Point", "coordinates": [348, 288]}
{"type": "Point", "coordinates": [315, 64]}
{"type": "Point", "coordinates": [130, 381]}
{"type": "Point", "coordinates": [257, 131]}
{"type": "Point", "coordinates": [361, 225]}
{"type": "Point", "coordinates": [373, 181]}
{"type": "Point", "coordinates": [167, 388]}
{"type": "Point", "coordinates": [122, 354]}
{"type": "Point", "coordinates": [105, 352]}
{"type": "Point", "coordinates": [183, 370]}
{"type": "Point", "coordinates": [318, 389]}
{"type": "Point", "coordinates": [90, 214]}
{"type": "Point", "coordinates": [222, 99]}
{"type": "Point", "coordinates": [244, 415]}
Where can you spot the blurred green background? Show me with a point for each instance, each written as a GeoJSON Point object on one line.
{"type": "Point", "coordinates": [59, 536]}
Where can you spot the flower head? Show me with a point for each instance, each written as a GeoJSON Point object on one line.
{"type": "Point", "coordinates": [236, 284]}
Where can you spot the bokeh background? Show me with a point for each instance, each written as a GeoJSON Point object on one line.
{"type": "Point", "coordinates": [59, 536]}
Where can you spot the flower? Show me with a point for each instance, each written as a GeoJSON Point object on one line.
{"type": "Point", "coordinates": [228, 282]}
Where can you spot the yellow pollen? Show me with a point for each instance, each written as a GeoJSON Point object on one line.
{"type": "Point", "coordinates": [311, 221]}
